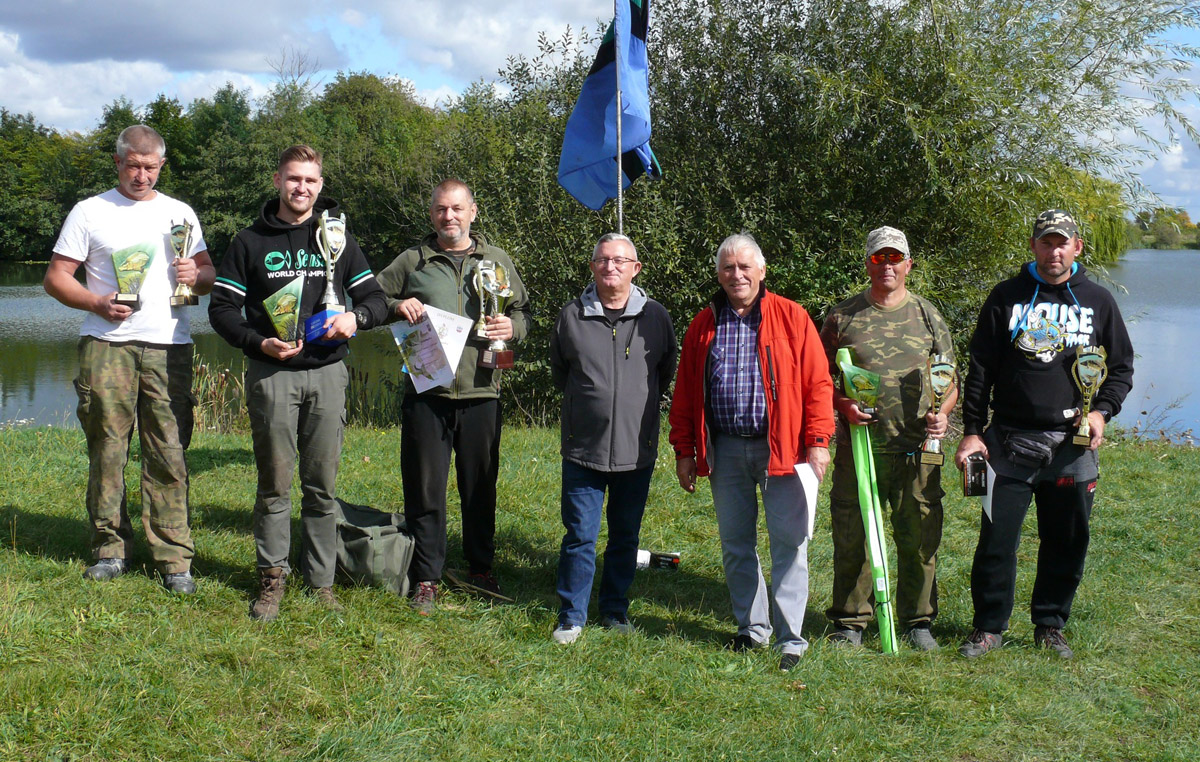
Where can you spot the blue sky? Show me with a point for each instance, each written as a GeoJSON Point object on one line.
{"type": "Point", "coordinates": [64, 60]}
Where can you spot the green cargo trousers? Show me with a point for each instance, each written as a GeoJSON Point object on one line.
{"type": "Point", "coordinates": [294, 411]}
{"type": "Point", "coordinates": [913, 494]}
{"type": "Point", "coordinates": [120, 384]}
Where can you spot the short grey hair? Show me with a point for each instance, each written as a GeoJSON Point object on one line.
{"type": "Point", "coordinates": [607, 237]}
{"type": "Point", "coordinates": [739, 242]}
{"type": "Point", "coordinates": [138, 138]}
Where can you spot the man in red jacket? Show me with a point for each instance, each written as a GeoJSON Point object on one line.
{"type": "Point", "coordinates": [753, 398]}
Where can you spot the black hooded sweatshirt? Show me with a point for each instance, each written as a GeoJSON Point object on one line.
{"type": "Point", "coordinates": [262, 259]}
{"type": "Point", "coordinates": [1023, 350]}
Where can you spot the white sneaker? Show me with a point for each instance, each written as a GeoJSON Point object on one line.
{"type": "Point", "coordinates": [564, 634]}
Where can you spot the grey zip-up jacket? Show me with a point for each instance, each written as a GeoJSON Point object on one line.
{"type": "Point", "coordinates": [613, 376]}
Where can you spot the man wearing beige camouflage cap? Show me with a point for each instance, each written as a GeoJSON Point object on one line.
{"type": "Point", "coordinates": [892, 332]}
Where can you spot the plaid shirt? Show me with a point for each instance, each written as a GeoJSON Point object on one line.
{"type": "Point", "coordinates": [736, 395]}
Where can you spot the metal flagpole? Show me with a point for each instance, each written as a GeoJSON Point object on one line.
{"type": "Point", "coordinates": [620, 175]}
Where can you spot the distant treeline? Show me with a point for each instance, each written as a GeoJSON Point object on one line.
{"type": "Point", "coordinates": [805, 123]}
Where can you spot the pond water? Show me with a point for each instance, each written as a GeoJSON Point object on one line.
{"type": "Point", "coordinates": [1160, 304]}
{"type": "Point", "coordinates": [38, 359]}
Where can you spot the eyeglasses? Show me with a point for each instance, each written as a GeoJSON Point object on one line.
{"type": "Point", "coordinates": [619, 262]}
{"type": "Point", "coordinates": [894, 257]}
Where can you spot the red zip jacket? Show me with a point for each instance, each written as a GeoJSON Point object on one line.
{"type": "Point", "coordinates": [795, 379]}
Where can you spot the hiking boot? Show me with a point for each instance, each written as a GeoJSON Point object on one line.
{"type": "Point", "coordinates": [616, 623]}
{"type": "Point", "coordinates": [1052, 638]}
{"type": "Point", "coordinates": [328, 600]}
{"type": "Point", "coordinates": [846, 636]}
{"type": "Point", "coordinates": [180, 582]}
{"type": "Point", "coordinates": [788, 661]}
{"type": "Point", "coordinates": [424, 600]}
{"type": "Point", "coordinates": [484, 583]}
{"type": "Point", "coordinates": [271, 584]}
{"type": "Point", "coordinates": [980, 643]}
{"type": "Point", "coordinates": [566, 633]}
{"type": "Point", "coordinates": [921, 639]}
{"type": "Point", "coordinates": [106, 568]}
{"type": "Point", "coordinates": [743, 643]}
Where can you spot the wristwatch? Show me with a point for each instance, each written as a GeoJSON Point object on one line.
{"type": "Point", "coordinates": [360, 317]}
{"type": "Point", "coordinates": [1105, 414]}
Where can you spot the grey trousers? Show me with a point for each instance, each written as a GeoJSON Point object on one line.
{"type": "Point", "coordinates": [739, 471]}
{"type": "Point", "coordinates": [294, 411]}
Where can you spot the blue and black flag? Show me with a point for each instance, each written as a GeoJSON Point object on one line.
{"type": "Point", "coordinates": [587, 167]}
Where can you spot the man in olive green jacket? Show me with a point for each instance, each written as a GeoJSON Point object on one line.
{"type": "Point", "coordinates": [464, 418]}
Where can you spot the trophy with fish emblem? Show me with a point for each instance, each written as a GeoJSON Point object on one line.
{"type": "Point", "coordinates": [181, 244]}
{"type": "Point", "coordinates": [130, 266]}
{"type": "Point", "coordinates": [331, 242]}
{"type": "Point", "coordinates": [939, 374]}
{"type": "Point", "coordinates": [1089, 372]}
{"type": "Point", "coordinates": [283, 308]}
{"type": "Point", "coordinates": [491, 280]}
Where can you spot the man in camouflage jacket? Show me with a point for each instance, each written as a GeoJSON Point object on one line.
{"type": "Point", "coordinates": [892, 332]}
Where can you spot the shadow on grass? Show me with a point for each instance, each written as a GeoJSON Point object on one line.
{"type": "Point", "coordinates": [202, 459]}
{"type": "Point", "coordinates": [68, 541]}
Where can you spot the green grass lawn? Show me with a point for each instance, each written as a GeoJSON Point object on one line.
{"type": "Point", "coordinates": [124, 671]}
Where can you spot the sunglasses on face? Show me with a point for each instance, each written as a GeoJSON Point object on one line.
{"type": "Point", "coordinates": [894, 257]}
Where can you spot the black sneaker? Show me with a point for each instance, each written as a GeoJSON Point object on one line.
{"type": "Point", "coordinates": [1052, 638]}
{"type": "Point", "coordinates": [180, 582]}
{"type": "Point", "coordinates": [788, 661]}
{"type": "Point", "coordinates": [106, 568]}
{"type": "Point", "coordinates": [424, 600]}
{"type": "Point", "coordinates": [743, 643]}
{"type": "Point", "coordinates": [980, 643]}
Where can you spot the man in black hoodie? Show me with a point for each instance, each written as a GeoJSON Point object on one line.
{"type": "Point", "coordinates": [295, 392]}
{"type": "Point", "coordinates": [1021, 359]}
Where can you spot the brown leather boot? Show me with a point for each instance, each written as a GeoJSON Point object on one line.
{"type": "Point", "coordinates": [271, 584]}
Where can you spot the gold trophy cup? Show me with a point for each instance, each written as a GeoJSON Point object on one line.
{"type": "Point", "coordinates": [940, 375]}
{"type": "Point", "coordinates": [491, 280]}
{"type": "Point", "coordinates": [1089, 372]}
{"type": "Point", "coordinates": [181, 244]}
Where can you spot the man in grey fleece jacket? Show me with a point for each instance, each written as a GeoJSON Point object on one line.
{"type": "Point", "coordinates": [613, 354]}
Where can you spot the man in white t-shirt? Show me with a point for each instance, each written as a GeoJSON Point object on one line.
{"type": "Point", "coordinates": [135, 363]}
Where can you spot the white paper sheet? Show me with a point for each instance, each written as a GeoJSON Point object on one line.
{"type": "Point", "coordinates": [810, 483]}
{"type": "Point", "coordinates": [987, 499]}
{"type": "Point", "coordinates": [431, 348]}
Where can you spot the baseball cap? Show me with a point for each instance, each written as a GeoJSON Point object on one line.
{"type": "Point", "coordinates": [1055, 221]}
{"type": "Point", "coordinates": [887, 238]}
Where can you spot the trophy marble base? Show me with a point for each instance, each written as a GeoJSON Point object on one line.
{"type": "Point", "coordinates": [314, 327]}
{"type": "Point", "coordinates": [132, 301]}
{"type": "Point", "coordinates": [498, 359]}
{"type": "Point", "coordinates": [1083, 440]}
{"type": "Point", "coordinates": [185, 300]}
{"type": "Point", "coordinates": [933, 458]}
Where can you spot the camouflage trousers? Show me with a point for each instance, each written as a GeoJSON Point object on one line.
{"type": "Point", "coordinates": [913, 495]}
{"type": "Point", "coordinates": [121, 384]}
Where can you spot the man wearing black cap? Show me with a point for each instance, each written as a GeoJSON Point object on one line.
{"type": "Point", "coordinates": [1021, 359]}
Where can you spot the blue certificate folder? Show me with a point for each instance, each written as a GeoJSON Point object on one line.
{"type": "Point", "coordinates": [314, 328]}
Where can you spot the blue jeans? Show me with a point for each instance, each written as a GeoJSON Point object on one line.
{"type": "Point", "coordinates": [739, 471]}
{"type": "Point", "coordinates": [582, 503]}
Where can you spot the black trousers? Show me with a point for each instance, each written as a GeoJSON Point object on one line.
{"type": "Point", "coordinates": [1064, 508]}
{"type": "Point", "coordinates": [431, 429]}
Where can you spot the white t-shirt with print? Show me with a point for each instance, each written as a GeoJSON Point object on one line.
{"type": "Point", "coordinates": [102, 225]}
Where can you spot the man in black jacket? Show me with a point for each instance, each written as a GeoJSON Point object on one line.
{"type": "Point", "coordinates": [295, 393]}
{"type": "Point", "coordinates": [612, 353]}
{"type": "Point", "coordinates": [1021, 359]}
